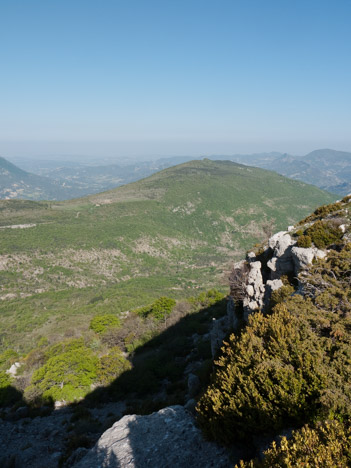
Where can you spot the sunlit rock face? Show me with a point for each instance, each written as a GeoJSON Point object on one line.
{"type": "Point", "coordinates": [167, 438]}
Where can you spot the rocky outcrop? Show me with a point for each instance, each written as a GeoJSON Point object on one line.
{"type": "Point", "coordinates": [167, 438]}
{"type": "Point", "coordinates": [303, 257]}
{"type": "Point", "coordinates": [264, 272]}
{"type": "Point", "coordinates": [254, 289]}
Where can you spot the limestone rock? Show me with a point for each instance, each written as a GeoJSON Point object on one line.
{"type": "Point", "coordinates": [302, 257]}
{"type": "Point", "coordinates": [13, 369]}
{"type": "Point", "coordinates": [165, 439]}
{"type": "Point", "coordinates": [254, 290]}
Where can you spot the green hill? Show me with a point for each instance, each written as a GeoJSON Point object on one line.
{"type": "Point", "coordinates": [173, 233]}
{"type": "Point", "coordinates": [16, 183]}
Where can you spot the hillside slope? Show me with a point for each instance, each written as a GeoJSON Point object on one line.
{"type": "Point", "coordinates": [288, 361]}
{"type": "Point", "coordinates": [16, 183]}
{"type": "Point", "coordinates": [175, 231]}
{"type": "Point", "coordinates": [326, 168]}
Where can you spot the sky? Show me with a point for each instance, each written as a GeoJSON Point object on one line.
{"type": "Point", "coordinates": [174, 77]}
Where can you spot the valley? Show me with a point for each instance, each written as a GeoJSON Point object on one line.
{"type": "Point", "coordinates": [174, 233]}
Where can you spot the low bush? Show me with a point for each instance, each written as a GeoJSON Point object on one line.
{"type": "Point", "coordinates": [111, 366]}
{"type": "Point", "coordinates": [8, 394]}
{"type": "Point", "coordinates": [268, 377]}
{"type": "Point", "coordinates": [304, 241]}
{"type": "Point", "coordinates": [66, 376]}
{"type": "Point", "coordinates": [100, 323]}
{"type": "Point", "coordinates": [324, 233]}
{"type": "Point", "coordinates": [328, 445]}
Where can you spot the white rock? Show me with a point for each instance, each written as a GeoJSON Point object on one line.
{"type": "Point", "coordinates": [13, 369]}
{"type": "Point", "coordinates": [272, 242]}
{"type": "Point", "coordinates": [303, 257]}
{"type": "Point", "coordinates": [342, 228]}
{"type": "Point", "coordinates": [166, 438]}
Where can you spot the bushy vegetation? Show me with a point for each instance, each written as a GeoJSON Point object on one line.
{"type": "Point", "coordinates": [111, 366]}
{"type": "Point", "coordinates": [100, 323]}
{"type": "Point", "coordinates": [304, 241]}
{"type": "Point", "coordinates": [290, 367]}
{"type": "Point", "coordinates": [65, 376]}
{"type": "Point", "coordinates": [324, 233]}
{"type": "Point", "coordinates": [327, 445]}
{"type": "Point", "coordinates": [8, 394]}
{"type": "Point", "coordinates": [159, 309]}
{"type": "Point", "coordinates": [166, 235]}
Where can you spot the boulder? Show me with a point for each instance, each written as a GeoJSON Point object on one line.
{"type": "Point", "coordinates": [281, 262]}
{"type": "Point", "coordinates": [254, 290]}
{"type": "Point", "coordinates": [13, 369]}
{"type": "Point", "coordinates": [167, 438]}
{"type": "Point", "coordinates": [302, 257]}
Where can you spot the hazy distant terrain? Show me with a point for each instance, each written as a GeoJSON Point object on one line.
{"type": "Point", "coordinates": [167, 234]}
{"type": "Point", "coordinates": [325, 168]}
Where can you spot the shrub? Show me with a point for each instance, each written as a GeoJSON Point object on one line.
{"type": "Point", "coordinates": [111, 366]}
{"type": "Point", "coordinates": [66, 376]}
{"type": "Point", "coordinates": [326, 446]}
{"type": "Point", "coordinates": [159, 309]}
{"type": "Point", "coordinates": [269, 377]}
{"type": "Point", "coordinates": [324, 233]}
{"type": "Point", "coordinates": [8, 394]}
{"type": "Point", "coordinates": [304, 241]}
{"type": "Point", "coordinates": [7, 358]}
{"type": "Point", "coordinates": [100, 323]}
{"type": "Point", "coordinates": [281, 294]}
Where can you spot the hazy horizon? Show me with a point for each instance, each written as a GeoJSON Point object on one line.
{"type": "Point", "coordinates": [152, 150]}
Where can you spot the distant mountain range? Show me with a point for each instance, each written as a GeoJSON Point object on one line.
{"type": "Point", "coordinates": [326, 168]}
{"type": "Point", "coordinates": [56, 180]}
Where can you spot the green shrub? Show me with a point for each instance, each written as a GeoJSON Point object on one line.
{"type": "Point", "coordinates": [304, 241]}
{"type": "Point", "coordinates": [8, 394]}
{"type": "Point", "coordinates": [100, 323]}
{"type": "Point", "coordinates": [111, 366]}
{"type": "Point", "coordinates": [7, 358]}
{"type": "Point", "coordinates": [159, 309]}
{"type": "Point", "coordinates": [324, 233]}
{"type": "Point", "coordinates": [281, 294]}
{"type": "Point", "coordinates": [269, 377]}
{"type": "Point", "coordinates": [71, 344]}
{"type": "Point", "coordinates": [326, 446]}
{"type": "Point", "coordinates": [65, 376]}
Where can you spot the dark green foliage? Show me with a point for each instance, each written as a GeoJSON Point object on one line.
{"type": "Point", "coordinates": [8, 394]}
{"type": "Point", "coordinates": [7, 358]}
{"type": "Point", "coordinates": [159, 309]}
{"type": "Point", "coordinates": [281, 294]}
{"type": "Point", "coordinates": [324, 233]}
{"type": "Point", "coordinates": [268, 377]}
{"type": "Point", "coordinates": [65, 376]}
{"type": "Point", "coordinates": [324, 210]}
{"type": "Point", "coordinates": [328, 445]}
{"type": "Point", "coordinates": [100, 323]}
{"type": "Point", "coordinates": [304, 241]}
{"type": "Point", "coordinates": [289, 368]}
{"type": "Point", "coordinates": [111, 366]}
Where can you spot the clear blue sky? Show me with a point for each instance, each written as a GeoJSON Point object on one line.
{"type": "Point", "coordinates": [174, 76]}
